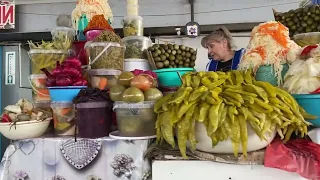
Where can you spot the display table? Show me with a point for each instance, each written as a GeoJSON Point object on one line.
{"type": "Point", "coordinates": [191, 170]}
{"type": "Point", "coordinates": [64, 159]}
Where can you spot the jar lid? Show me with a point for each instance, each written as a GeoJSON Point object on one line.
{"type": "Point", "coordinates": [37, 76]}
{"type": "Point", "coordinates": [140, 105]}
{"type": "Point", "coordinates": [104, 72]}
{"type": "Point", "coordinates": [102, 44]}
{"type": "Point", "coordinates": [62, 104]}
{"type": "Point", "coordinates": [50, 51]}
{"type": "Point", "coordinates": [139, 38]}
{"type": "Point", "coordinates": [60, 28]}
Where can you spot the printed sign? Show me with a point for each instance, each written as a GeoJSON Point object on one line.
{"type": "Point", "coordinates": [7, 14]}
{"type": "Point", "coordinates": [10, 71]}
{"type": "Point", "coordinates": [192, 29]}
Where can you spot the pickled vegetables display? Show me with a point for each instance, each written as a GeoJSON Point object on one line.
{"type": "Point", "coordinates": [40, 93]}
{"type": "Point", "coordinates": [225, 103]}
{"type": "Point", "coordinates": [64, 118]}
{"type": "Point", "coordinates": [103, 78]}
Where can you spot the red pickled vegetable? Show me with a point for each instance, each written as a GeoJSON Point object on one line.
{"type": "Point", "coordinates": [72, 62]}
{"type": "Point", "coordinates": [81, 82]}
{"type": "Point", "coordinates": [5, 118]}
{"type": "Point", "coordinates": [57, 70]}
{"type": "Point", "coordinates": [316, 91]}
{"type": "Point", "coordinates": [51, 80]}
{"type": "Point", "coordinates": [71, 71]}
{"type": "Point", "coordinates": [136, 72]}
{"type": "Point", "coordinates": [64, 80]}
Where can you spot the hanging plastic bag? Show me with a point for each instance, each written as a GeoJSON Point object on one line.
{"type": "Point", "coordinates": [301, 156]}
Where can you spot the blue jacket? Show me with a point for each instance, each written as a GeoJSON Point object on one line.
{"type": "Point", "coordinates": [213, 64]}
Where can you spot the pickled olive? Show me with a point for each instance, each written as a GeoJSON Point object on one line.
{"type": "Point", "coordinates": [204, 108]}
{"type": "Point", "coordinates": [167, 129]}
{"type": "Point", "coordinates": [248, 76]}
{"type": "Point", "coordinates": [256, 90]}
{"type": "Point", "coordinates": [195, 81]}
{"type": "Point", "coordinates": [271, 91]}
{"type": "Point", "coordinates": [239, 77]}
{"type": "Point", "coordinates": [243, 134]}
{"type": "Point", "coordinates": [214, 116]}
{"type": "Point", "coordinates": [158, 105]}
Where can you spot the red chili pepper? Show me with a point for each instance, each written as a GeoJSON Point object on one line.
{"type": "Point", "coordinates": [306, 50]}
{"type": "Point", "coordinates": [316, 91]}
{"type": "Point", "coordinates": [5, 118]}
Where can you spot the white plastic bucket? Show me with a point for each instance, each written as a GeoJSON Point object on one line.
{"type": "Point", "coordinates": [132, 64]}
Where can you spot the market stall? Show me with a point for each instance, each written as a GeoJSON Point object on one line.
{"type": "Point", "coordinates": [106, 107]}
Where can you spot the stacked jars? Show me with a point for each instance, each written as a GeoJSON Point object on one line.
{"type": "Point", "coordinates": [136, 44]}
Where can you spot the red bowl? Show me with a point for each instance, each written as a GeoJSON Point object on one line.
{"type": "Point", "coordinates": [91, 34]}
{"type": "Point", "coordinates": [78, 47]}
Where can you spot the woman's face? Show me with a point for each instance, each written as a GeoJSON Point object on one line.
{"type": "Point", "coordinates": [217, 50]}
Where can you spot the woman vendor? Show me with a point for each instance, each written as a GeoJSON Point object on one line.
{"type": "Point", "coordinates": [221, 50]}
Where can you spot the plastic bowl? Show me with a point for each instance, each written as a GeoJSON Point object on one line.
{"type": "Point", "coordinates": [314, 135]}
{"type": "Point", "coordinates": [310, 103]}
{"type": "Point", "coordinates": [24, 130]}
{"type": "Point", "coordinates": [169, 77]}
{"type": "Point", "coordinates": [65, 93]}
{"type": "Point", "coordinates": [267, 74]}
{"type": "Point", "coordinates": [306, 39]}
{"type": "Point", "coordinates": [91, 34]}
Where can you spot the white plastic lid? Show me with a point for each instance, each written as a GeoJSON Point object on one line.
{"type": "Point", "coordinates": [139, 38]}
{"type": "Point", "coordinates": [130, 18]}
{"type": "Point", "coordinates": [104, 72]}
{"type": "Point", "coordinates": [140, 105]}
{"type": "Point", "coordinates": [50, 51]}
{"type": "Point", "coordinates": [60, 28]}
{"type": "Point", "coordinates": [62, 105]}
{"type": "Point", "coordinates": [37, 76]}
{"type": "Point", "coordinates": [101, 44]}
{"type": "Point", "coordinates": [136, 60]}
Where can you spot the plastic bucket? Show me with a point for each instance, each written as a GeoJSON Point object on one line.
{"type": "Point", "coordinates": [64, 94]}
{"type": "Point", "coordinates": [63, 118]}
{"type": "Point", "coordinates": [94, 119]}
{"type": "Point", "coordinates": [266, 73]}
{"type": "Point", "coordinates": [310, 103]}
{"type": "Point", "coordinates": [169, 76]}
{"type": "Point", "coordinates": [40, 92]}
{"type": "Point", "coordinates": [91, 34]}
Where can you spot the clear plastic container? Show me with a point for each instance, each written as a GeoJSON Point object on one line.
{"type": "Point", "coordinates": [135, 120]}
{"type": "Point", "coordinates": [105, 55]}
{"type": "Point", "coordinates": [63, 118]}
{"type": "Point", "coordinates": [132, 10]}
{"type": "Point", "coordinates": [42, 58]}
{"type": "Point", "coordinates": [40, 92]}
{"type": "Point", "coordinates": [132, 26]}
{"type": "Point", "coordinates": [63, 34]}
{"type": "Point", "coordinates": [103, 78]}
{"type": "Point", "coordinates": [132, 2]}
{"type": "Point", "coordinates": [132, 64]}
{"type": "Point", "coordinates": [94, 119]}
{"type": "Point", "coordinates": [136, 47]}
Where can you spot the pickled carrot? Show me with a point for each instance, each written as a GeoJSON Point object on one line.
{"type": "Point", "coordinates": [103, 83]}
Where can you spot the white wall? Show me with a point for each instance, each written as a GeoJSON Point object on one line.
{"type": "Point", "coordinates": [160, 13]}
{"type": "Point", "coordinates": [241, 41]}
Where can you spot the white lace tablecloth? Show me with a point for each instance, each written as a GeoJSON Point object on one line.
{"type": "Point", "coordinates": [65, 159]}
